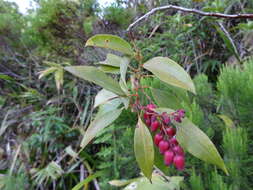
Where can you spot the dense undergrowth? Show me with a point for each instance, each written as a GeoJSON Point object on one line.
{"type": "Point", "coordinates": [41, 125]}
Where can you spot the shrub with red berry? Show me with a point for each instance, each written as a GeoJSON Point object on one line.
{"type": "Point", "coordinates": [165, 134]}
{"type": "Point", "coordinates": [169, 128]}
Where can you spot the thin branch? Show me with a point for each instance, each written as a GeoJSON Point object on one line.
{"type": "Point", "coordinates": [229, 38]}
{"type": "Point", "coordinates": [195, 11]}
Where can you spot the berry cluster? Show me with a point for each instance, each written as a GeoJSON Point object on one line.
{"type": "Point", "coordinates": [164, 138]}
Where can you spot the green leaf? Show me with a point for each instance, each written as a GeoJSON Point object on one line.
{"type": "Point", "coordinates": [99, 123]}
{"type": "Point", "coordinates": [166, 99]}
{"type": "Point", "coordinates": [158, 183]}
{"type": "Point", "coordinates": [110, 41]}
{"type": "Point", "coordinates": [47, 72]}
{"type": "Point", "coordinates": [123, 71]}
{"type": "Point", "coordinates": [144, 149]}
{"type": "Point", "coordinates": [170, 72]}
{"type": "Point", "coordinates": [87, 180]}
{"type": "Point", "coordinates": [98, 77]}
{"type": "Point", "coordinates": [103, 96]}
{"type": "Point", "coordinates": [228, 122]}
{"type": "Point", "coordinates": [58, 75]}
{"type": "Point", "coordinates": [109, 69]}
{"type": "Point", "coordinates": [196, 142]}
{"type": "Point", "coordinates": [112, 60]}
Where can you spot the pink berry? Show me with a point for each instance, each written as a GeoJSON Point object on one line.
{"type": "Point", "coordinates": [151, 107]}
{"type": "Point", "coordinates": [178, 150]}
{"type": "Point", "coordinates": [148, 122]}
{"type": "Point", "coordinates": [153, 118]}
{"type": "Point", "coordinates": [173, 141]}
{"type": "Point", "coordinates": [163, 146]}
{"type": "Point", "coordinates": [181, 113]}
{"type": "Point", "coordinates": [179, 162]}
{"type": "Point", "coordinates": [166, 118]}
{"type": "Point", "coordinates": [146, 115]}
{"type": "Point", "coordinates": [158, 137]}
{"type": "Point", "coordinates": [177, 118]}
{"type": "Point", "coordinates": [170, 131]}
{"type": "Point", "coordinates": [168, 157]}
{"type": "Point", "coordinates": [155, 125]}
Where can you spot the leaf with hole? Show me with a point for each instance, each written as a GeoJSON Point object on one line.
{"type": "Point", "coordinates": [97, 76]}
{"type": "Point", "coordinates": [111, 42]}
{"type": "Point", "coordinates": [170, 72]}
{"type": "Point", "coordinates": [144, 149]}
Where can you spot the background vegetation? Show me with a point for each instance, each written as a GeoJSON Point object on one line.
{"type": "Point", "coordinates": [42, 120]}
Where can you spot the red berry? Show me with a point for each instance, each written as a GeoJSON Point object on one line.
{"type": "Point", "coordinates": [155, 125]}
{"type": "Point", "coordinates": [153, 118]}
{"type": "Point", "coordinates": [179, 162]}
{"type": "Point", "coordinates": [151, 107]}
{"type": "Point", "coordinates": [170, 131]}
{"type": "Point", "coordinates": [168, 157]}
{"type": "Point", "coordinates": [178, 150]}
{"type": "Point", "coordinates": [148, 122]}
{"type": "Point", "coordinates": [173, 141]}
{"type": "Point", "coordinates": [163, 146]}
{"type": "Point", "coordinates": [181, 113]}
{"type": "Point", "coordinates": [166, 118]}
{"type": "Point", "coordinates": [146, 115]}
{"type": "Point", "coordinates": [177, 118]}
{"type": "Point", "coordinates": [158, 137]}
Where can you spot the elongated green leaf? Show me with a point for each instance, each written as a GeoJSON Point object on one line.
{"type": "Point", "coordinates": [144, 149]}
{"type": "Point", "coordinates": [87, 180]}
{"type": "Point", "coordinates": [111, 42]}
{"type": "Point", "coordinates": [165, 99]}
{"type": "Point", "coordinates": [228, 122]}
{"type": "Point", "coordinates": [123, 71]}
{"type": "Point", "coordinates": [104, 96]}
{"type": "Point", "coordinates": [158, 183]}
{"type": "Point", "coordinates": [47, 72]}
{"type": "Point", "coordinates": [196, 142]}
{"type": "Point", "coordinates": [99, 123]}
{"type": "Point", "coordinates": [58, 76]}
{"type": "Point", "coordinates": [98, 77]}
{"type": "Point", "coordinates": [170, 72]}
{"type": "Point", "coordinates": [109, 69]}
{"type": "Point", "coordinates": [112, 60]}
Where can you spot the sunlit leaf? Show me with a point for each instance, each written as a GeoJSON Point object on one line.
{"type": "Point", "coordinates": [110, 41]}
{"type": "Point", "coordinates": [104, 96]}
{"type": "Point", "coordinates": [98, 77]}
{"type": "Point", "coordinates": [170, 72]}
{"type": "Point", "coordinates": [109, 69]}
{"type": "Point", "coordinates": [228, 122]}
{"type": "Point", "coordinates": [47, 72]}
{"type": "Point", "coordinates": [158, 183]}
{"type": "Point", "coordinates": [123, 70]}
{"type": "Point", "coordinates": [58, 75]}
{"type": "Point", "coordinates": [196, 142]}
{"type": "Point", "coordinates": [99, 123]}
{"type": "Point", "coordinates": [112, 60]}
{"type": "Point", "coordinates": [144, 149]}
{"type": "Point", "coordinates": [123, 182]}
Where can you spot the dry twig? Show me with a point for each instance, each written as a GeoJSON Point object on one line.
{"type": "Point", "coordinates": [183, 9]}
